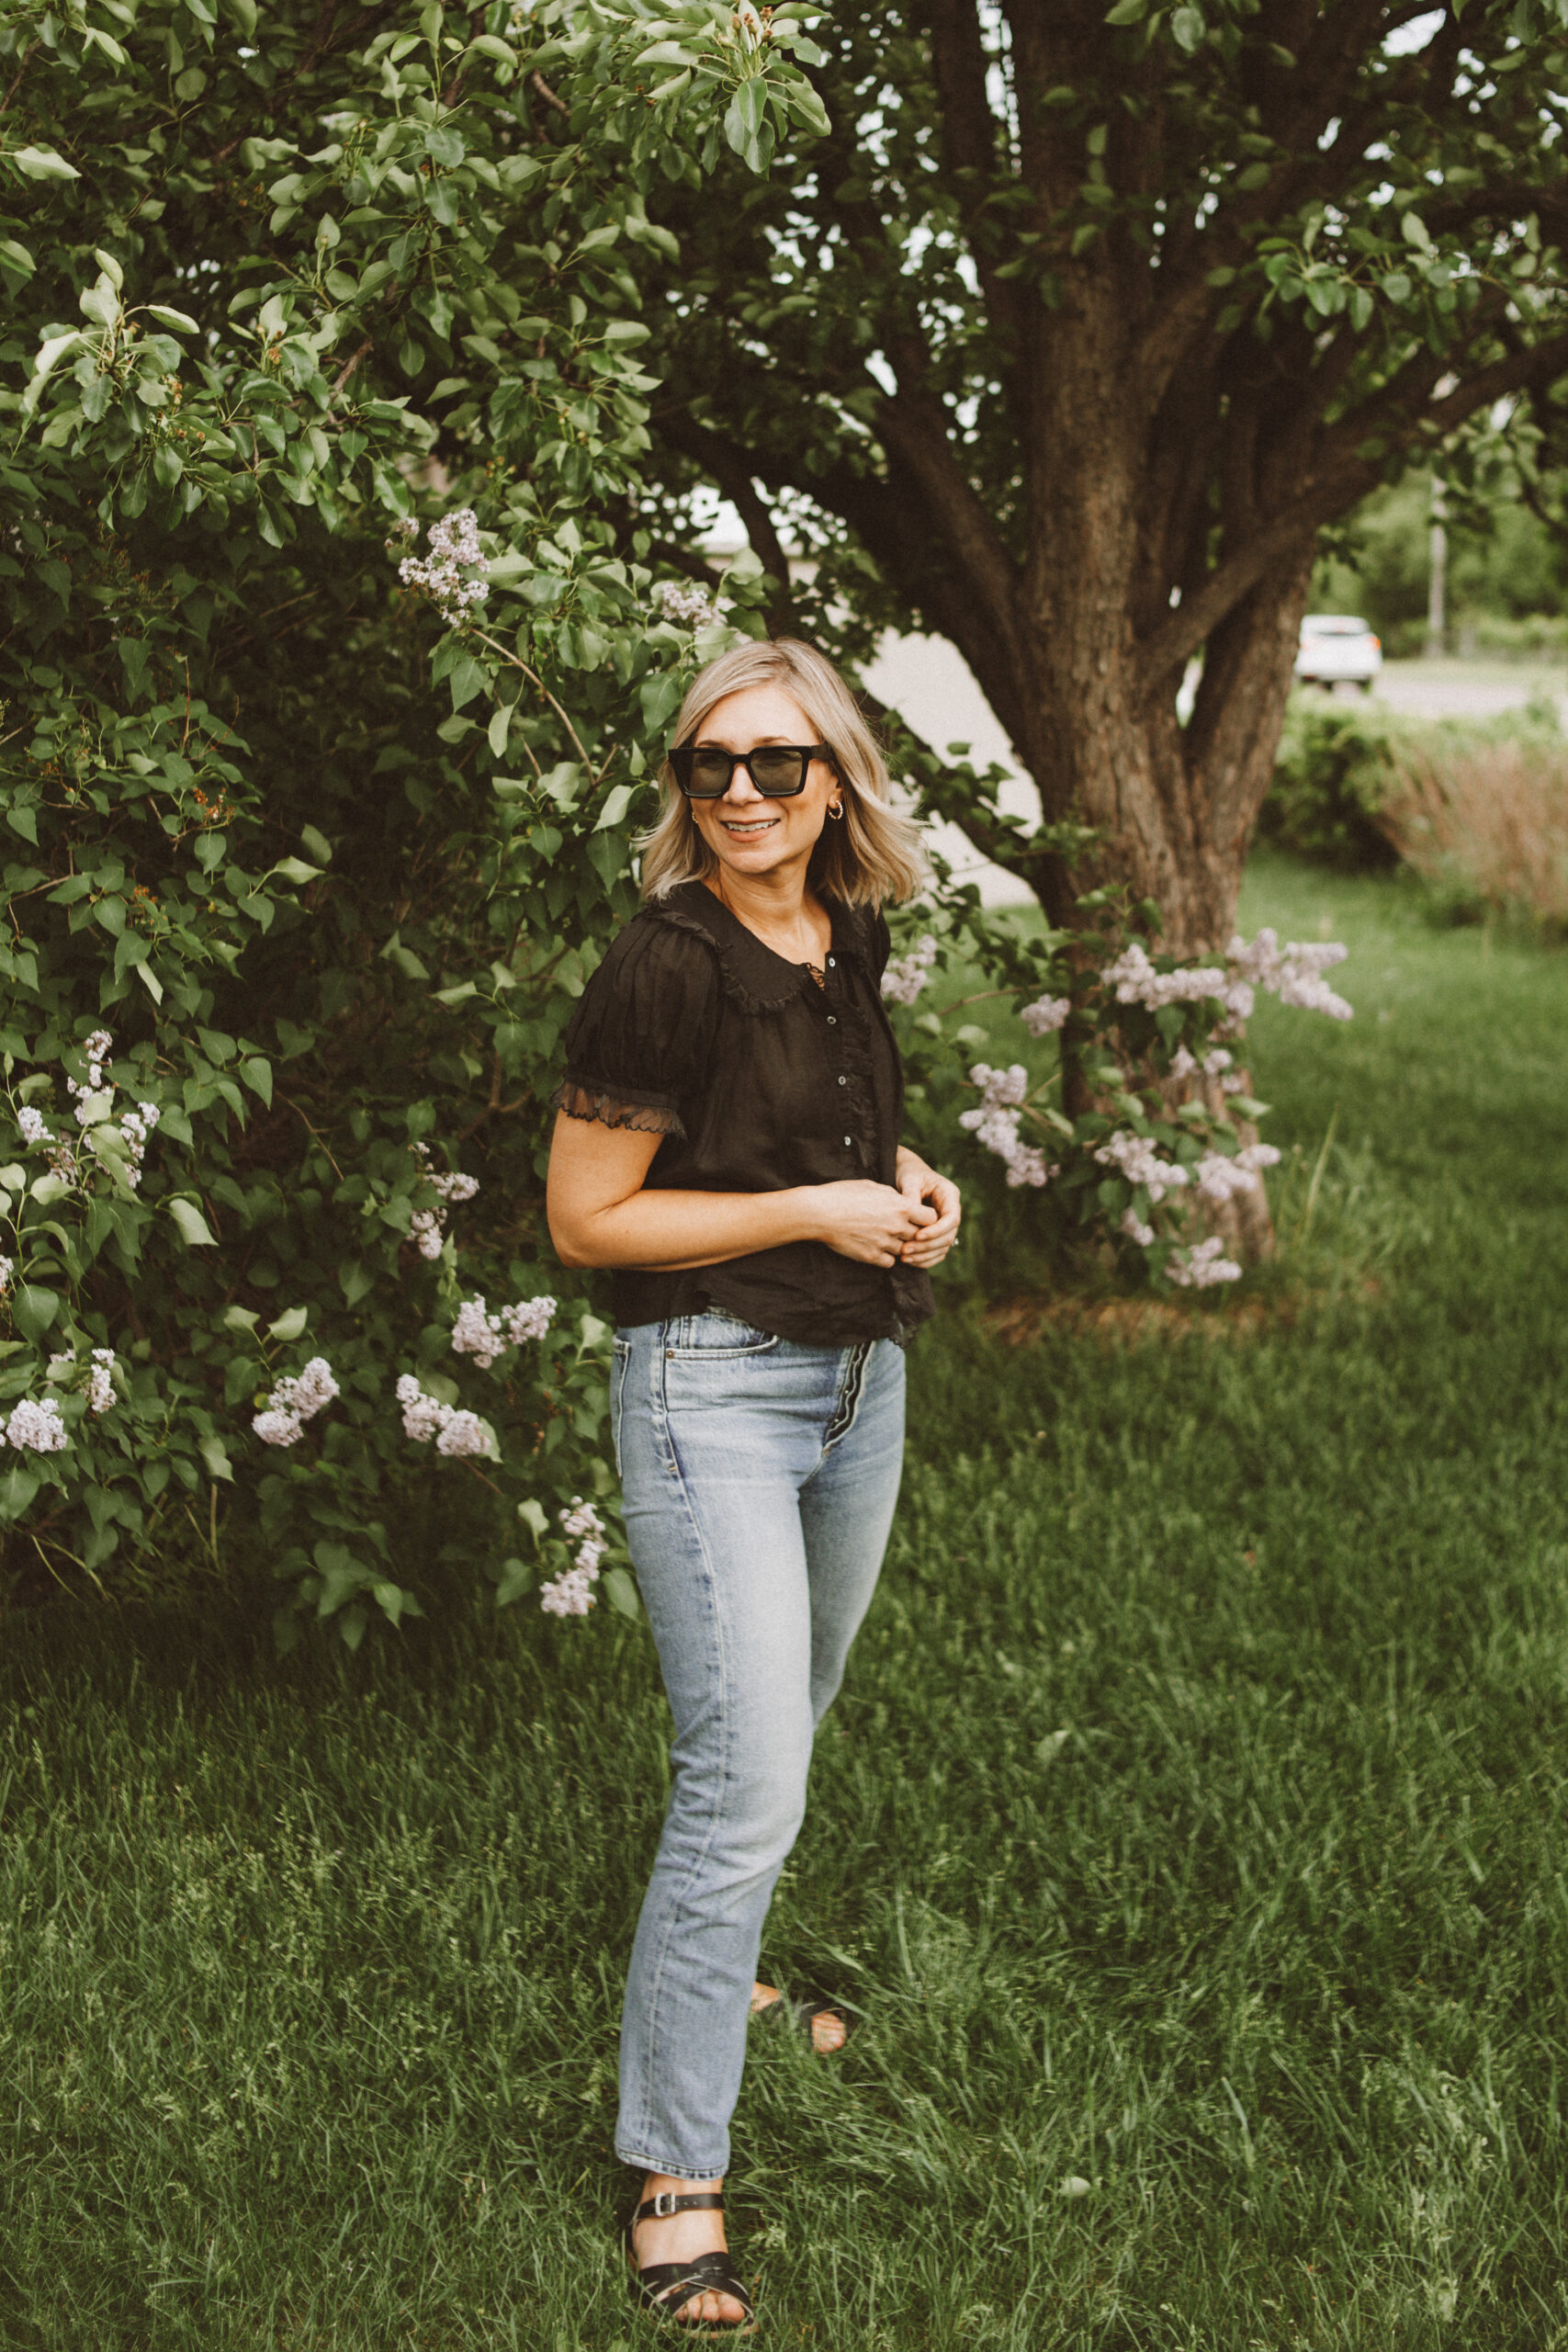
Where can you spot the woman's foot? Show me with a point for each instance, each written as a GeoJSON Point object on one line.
{"type": "Point", "coordinates": [828, 2031]}
{"type": "Point", "coordinates": [681, 2237]}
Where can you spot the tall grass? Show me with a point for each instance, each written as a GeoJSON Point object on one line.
{"type": "Point", "coordinates": [1486, 819]}
{"type": "Point", "coordinates": [1192, 1827]}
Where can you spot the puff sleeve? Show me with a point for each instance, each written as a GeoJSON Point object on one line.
{"type": "Point", "coordinates": [638, 1045]}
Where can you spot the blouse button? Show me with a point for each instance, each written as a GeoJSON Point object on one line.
{"type": "Point", "coordinates": [843, 1081]}
{"type": "Point", "coordinates": [848, 1144]}
{"type": "Point", "coordinates": [832, 1020]}
{"type": "Point", "coordinates": [829, 963]}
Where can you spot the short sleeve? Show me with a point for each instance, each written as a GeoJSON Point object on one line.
{"type": "Point", "coordinates": [639, 1041]}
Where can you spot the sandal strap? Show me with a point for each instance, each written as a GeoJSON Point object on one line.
{"type": "Point", "coordinates": [660, 2207]}
{"type": "Point", "coordinates": [665, 2285]}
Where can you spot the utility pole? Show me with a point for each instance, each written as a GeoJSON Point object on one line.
{"type": "Point", "coordinates": [1437, 575]}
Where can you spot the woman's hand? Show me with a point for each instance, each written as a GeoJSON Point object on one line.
{"type": "Point", "coordinates": [921, 1185]}
{"type": "Point", "coordinates": [864, 1220]}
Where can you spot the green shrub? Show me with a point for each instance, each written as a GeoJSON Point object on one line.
{"type": "Point", "coordinates": [1334, 768]}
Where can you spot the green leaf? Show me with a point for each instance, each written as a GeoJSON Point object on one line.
{"type": "Point", "coordinates": [181, 321]}
{"type": "Point", "coordinates": [195, 1231]}
{"type": "Point", "coordinates": [43, 163]}
{"type": "Point", "coordinates": [294, 869]}
{"type": "Point", "coordinates": [34, 1310]}
{"type": "Point", "coordinates": [621, 1593]}
{"type": "Point", "coordinates": [211, 1450]}
{"type": "Point", "coordinates": [150, 982]}
{"type": "Point", "coordinates": [289, 1324]}
{"type": "Point", "coordinates": [1128, 12]}
{"type": "Point", "coordinates": [617, 801]}
{"type": "Point", "coordinates": [316, 843]}
{"type": "Point", "coordinates": [240, 1318]}
{"type": "Point", "coordinates": [516, 1577]}
{"type": "Point", "coordinates": [532, 1514]}
{"type": "Point", "coordinates": [17, 1488]}
{"type": "Point", "coordinates": [1187, 28]}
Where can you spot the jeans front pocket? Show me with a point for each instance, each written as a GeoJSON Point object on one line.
{"type": "Point", "coordinates": [713, 1337]}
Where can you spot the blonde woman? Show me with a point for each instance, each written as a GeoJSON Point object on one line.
{"type": "Point", "coordinates": [728, 1141]}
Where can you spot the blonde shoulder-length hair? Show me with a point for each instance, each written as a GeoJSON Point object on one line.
{"type": "Point", "coordinates": [871, 854]}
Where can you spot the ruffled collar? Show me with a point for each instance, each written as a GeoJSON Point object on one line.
{"type": "Point", "coordinates": [753, 976]}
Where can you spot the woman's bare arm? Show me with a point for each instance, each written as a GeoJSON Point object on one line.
{"type": "Point", "coordinates": [600, 1215]}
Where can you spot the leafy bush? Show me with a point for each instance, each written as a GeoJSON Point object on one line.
{"type": "Point", "coordinates": [268, 303]}
{"type": "Point", "coordinates": [1334, 767]}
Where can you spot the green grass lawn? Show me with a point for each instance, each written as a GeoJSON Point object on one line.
{"type": "Point", "coordinates": [1193, 1826]}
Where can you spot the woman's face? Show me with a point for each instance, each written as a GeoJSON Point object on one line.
{"type": "Point", "coordinates": [748, 834]}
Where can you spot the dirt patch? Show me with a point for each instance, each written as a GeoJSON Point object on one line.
{"type": "Point", "coordinates": [1128, 1321]}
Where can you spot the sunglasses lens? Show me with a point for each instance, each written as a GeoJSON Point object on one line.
{"type": "Point", "coordinates": [709, 775]}
{"type": "Point", "coordinates": [778, 770]}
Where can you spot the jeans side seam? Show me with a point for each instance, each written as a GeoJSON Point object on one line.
{"type": "Point", "coordinates": [657, 1972]}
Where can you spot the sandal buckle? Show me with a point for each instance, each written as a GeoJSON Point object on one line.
{"type": "Point", "coordinates": [664, 2204]}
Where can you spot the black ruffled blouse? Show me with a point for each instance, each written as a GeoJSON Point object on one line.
{"type": "Point", "coordinates": [758, 1079]}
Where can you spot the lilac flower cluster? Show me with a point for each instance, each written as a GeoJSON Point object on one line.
{"type": "Point", "coordinates": [98, 1047]}
{"type": "Point", "coordinates": [484, 1336]}
{"type": "Point", "coordinates": [1136, 1158]}
{"type": "Point", "coordinates": [1045, 1015]}
{"type": "Point", "coordinates": [294, 1402]}
{"type": "Point", "coordinates": [453, 548]}
{"type": "Point", "coordinates": [906, 975]}
{"type": "Point", "coordinates": [135, 1127]}
{"type": "Point", "coordinates": [428, 1226]}
{"type": "Point", "coordinates": [1222, 1175]}
{"type": "Point", "coordinates": [8, 1268]}
{"type": "Point", "coordinates": [686, 604]}
{"type": "Point", "coordinates": [1135, 980]}
{"type": "Point", "coordinates": [995, 1121]}
{"type": "Point", "coordinates": [571, 1593]}
{"type": "Point", "coordinates": [37, 1428]}
{"type": "Point", "coordinates": [1216, 1064]}
{"type": "Point", "coordinates": [1293, 973]}
{"type": "Point", "coordinates": [1202, 1265]}
{"type": "Point", "coordinates": [100, 1376]}
{"type": "Point", "coordinates": [424, 1417]}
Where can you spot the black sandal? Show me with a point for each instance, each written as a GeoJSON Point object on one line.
{"type": "Point", "coordinates": [803, 2014]}
{"type": "Point", "coordinates": [663, 2287]}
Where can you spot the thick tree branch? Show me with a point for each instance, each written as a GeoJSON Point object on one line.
{"type": "Point", "coordinates": [1348, 478]}
{"type": "Point", "coordinates": [913, 422]}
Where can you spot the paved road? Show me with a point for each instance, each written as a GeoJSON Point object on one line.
{"type": "Point", "coordinates": [1467, 689]}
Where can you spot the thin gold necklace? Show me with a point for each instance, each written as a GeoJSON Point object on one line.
{"type": "Point", "coordinates": [815, 969]}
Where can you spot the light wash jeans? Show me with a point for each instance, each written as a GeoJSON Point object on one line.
{"type": "Point", "coordinates": [759, 1478]}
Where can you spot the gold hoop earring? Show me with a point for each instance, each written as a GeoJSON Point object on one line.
{"type": "Point", "coordinates": [836, 810]}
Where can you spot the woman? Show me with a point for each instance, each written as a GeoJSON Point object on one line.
{"type": "Point", "coordinates": [726, 1140]}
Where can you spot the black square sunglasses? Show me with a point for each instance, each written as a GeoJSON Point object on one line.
{"type": "Point", "coordinates": [778, 770]}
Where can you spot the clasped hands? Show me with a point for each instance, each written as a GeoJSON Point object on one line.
{"type": "Point", "coordinates": [912, 1221]}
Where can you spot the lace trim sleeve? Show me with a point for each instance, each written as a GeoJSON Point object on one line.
{"type": "Point", "coordinates": [614, 1109]}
